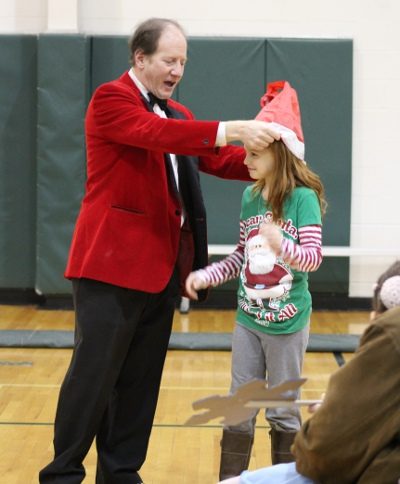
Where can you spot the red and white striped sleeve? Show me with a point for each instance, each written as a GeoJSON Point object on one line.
{"type": "Point", "coordinates": [227, 268]}
{"type": "Point", "coordinates": [307, 255]}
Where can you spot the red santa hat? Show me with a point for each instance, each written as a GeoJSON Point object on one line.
{"type": "Point", "coordinates": [280, 108]}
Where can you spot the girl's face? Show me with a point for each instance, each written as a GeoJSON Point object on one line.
{"type": "Point", "coordinates": [260, 164]}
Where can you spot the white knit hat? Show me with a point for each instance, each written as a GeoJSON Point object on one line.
{"type": "Point", "coordinates": [390, 292]}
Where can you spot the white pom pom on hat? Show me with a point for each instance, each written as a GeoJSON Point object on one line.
{"type": "Point", "coordinates": [280, 107]}
{"type": "Point", "coordinates": [390, 292]}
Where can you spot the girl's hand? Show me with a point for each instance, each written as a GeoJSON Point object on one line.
{"type": "Point", "coordinates": [273, 234]}
{"type": "Point", "coordinates": [193, 283]}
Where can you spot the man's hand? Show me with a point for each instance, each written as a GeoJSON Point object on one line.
{"type": "Point", "coordinates": [255, 135]}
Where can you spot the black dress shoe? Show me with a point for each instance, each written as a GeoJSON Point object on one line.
{"type": "Point", "coordinates": [138, 479]}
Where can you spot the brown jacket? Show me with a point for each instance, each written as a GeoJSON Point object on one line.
{"type": "Point", "coordinates": [355, 435]}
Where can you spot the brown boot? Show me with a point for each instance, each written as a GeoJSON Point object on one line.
{"type": "Point", "coordinates": [235, 453]}
{"type": "Point", "coordinates": [281, 442]}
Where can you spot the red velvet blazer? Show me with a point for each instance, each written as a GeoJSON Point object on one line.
{"type": "Point", "coordinates": [128, 229]}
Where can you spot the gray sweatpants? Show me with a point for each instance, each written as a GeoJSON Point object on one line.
{"type": "Point", "coordinates": [256, 355]}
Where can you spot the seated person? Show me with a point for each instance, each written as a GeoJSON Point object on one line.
{"type": "Point", "coordinates": [354, 437]}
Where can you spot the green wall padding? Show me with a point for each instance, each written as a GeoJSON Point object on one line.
{"type": "Point", "coordinates": [63, 88]}
{"type": "Point", "coordinates": [321, 71]}
{"type": "Point", "coordinates": [241, 68]}
{"type": "Point", "coordinates": [224, 79]}
{"type": "Point", "coordinates": [109, 59]}
{"type": "Point", "coordinates": [331, 277]}
{"type": "Point", "coordinates": [17, 160]}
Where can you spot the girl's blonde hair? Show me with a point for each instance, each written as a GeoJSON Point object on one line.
{"type": "Point", "coordinates": [289, 172]}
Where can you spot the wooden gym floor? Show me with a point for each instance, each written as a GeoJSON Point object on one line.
{"type": "Point", "coordinates": [30, 381]}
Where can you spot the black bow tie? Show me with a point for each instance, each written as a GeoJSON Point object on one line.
{"type": "Point", "coordinates": [156, 100]}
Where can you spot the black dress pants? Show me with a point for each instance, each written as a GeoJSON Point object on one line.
{"type": "Point", "coordinates": [111, 388]}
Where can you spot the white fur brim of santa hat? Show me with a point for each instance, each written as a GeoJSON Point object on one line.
{"type": "Point", "coordinates": [280, 108]}
{"type": "Point", "coordinates": [290, 139]}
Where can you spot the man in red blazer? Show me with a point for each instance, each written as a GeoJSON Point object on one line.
{"type": "Point", "coordinates": [140, 231]}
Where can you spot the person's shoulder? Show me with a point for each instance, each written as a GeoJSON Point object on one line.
{"type": "Point", "coordinates": [249, 194]}
{"type": "Point", "coordinates": [177, 106]}
{"type": "Point", "coordinates": [117, 91]}
{"type": "Point", "coordinates": [386, 325]}
{"type": "Point", "coordinates": [121, 84]}
{"type": "Point", "coordinates": [248, 191]}
{"type": "Point", "coordinates": [390, 321]}
{"type": "Point", "coordinates": [303, 192]}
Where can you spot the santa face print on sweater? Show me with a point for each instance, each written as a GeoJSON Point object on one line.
{"type": "Point", "coordinates": [266, 279]}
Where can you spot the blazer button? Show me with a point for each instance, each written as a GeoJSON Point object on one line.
{"type": "Point", "coordinates": [177, 212]}
{"type": "Point", "coordinates": [206, 141]}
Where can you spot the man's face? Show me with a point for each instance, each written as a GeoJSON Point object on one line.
{"type": "Point", "coordinates": [161, 72]}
